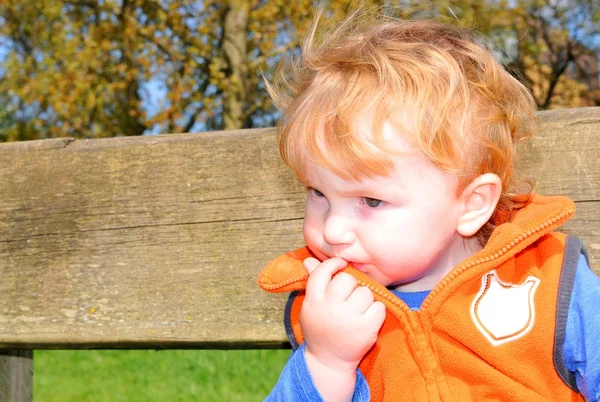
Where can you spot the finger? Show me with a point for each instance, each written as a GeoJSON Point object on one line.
{"type": "Point", "coordinates": [360, 299]}
{"type": "Point", "coordinates": [341, 287]}
{"type": "Point", "coordinates": [375, 315]}
{"type": "Point", "coordinates": [310, 264]}
{"type": "Point", "coordinates": [321, 275]}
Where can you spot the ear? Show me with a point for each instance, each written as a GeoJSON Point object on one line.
{"type": "Point", "coordinates": [479, 200]}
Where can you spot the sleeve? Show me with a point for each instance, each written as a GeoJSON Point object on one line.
{"type": "Point", "coordinates": [581, 350]}
{"type": "Point", "coordinates": [295, 383]}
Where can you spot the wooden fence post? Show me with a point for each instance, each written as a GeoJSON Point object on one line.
{"type": "Point", "coordinates": [16, 375]}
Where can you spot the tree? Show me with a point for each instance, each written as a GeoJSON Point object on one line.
{"type": "Point", "coordinates": [553, 46]}
{"type": "Point", "coordinates": [71, 70]}
{"type": "Point", "coordinates": [85, 68]}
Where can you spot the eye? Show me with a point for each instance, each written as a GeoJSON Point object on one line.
{"type": "Point", "coordinates": [316, 192]}
{"type": "Point", "coordinates": [372, 202]}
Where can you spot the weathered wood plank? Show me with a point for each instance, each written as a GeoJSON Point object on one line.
{"type": "Point", "coordinates": [563, 156]}
{"type": "Point", "coordinates": [148, 242]}
{"type": "Point", "coordinates": [16, 375]}
{"type": "Point", "coordinates": [157, 241]}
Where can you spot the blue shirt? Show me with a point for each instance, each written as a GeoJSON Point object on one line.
{"type": "Point", "coordinates": [581, 351]}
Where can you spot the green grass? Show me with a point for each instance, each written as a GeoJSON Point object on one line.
{"type": "Point", "coordinates": [147, 376]}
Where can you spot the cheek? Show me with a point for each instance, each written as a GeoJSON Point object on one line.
{"type": "Point", "coordinates": [381, 239]}
{"type": "Point", "coordinates": [441, 215]}
{"type": "Point", "coordinates": [311, 227]}
{"type": "Point", "coordinates": [385, 246]}
{"type": "Point", "coordinates": [313, 237]}
{"type": "Point", "coordinates": [397, 235]}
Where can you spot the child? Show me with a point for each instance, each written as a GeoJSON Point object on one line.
{"type": "Point", "coordinates": [426, 276]}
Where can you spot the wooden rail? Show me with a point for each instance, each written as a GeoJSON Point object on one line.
{"type": "Point", "coordinates": [156, 242]}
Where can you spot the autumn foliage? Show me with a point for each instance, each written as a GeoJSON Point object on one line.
{"type": "Point", "coordinates": [102, 68]}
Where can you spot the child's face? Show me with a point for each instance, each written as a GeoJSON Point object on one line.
{"type": "Point", "coordinates": [400, 230]}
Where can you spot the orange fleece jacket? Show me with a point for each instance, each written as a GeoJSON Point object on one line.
{"type": "Point", "coordinates": [485, 332]}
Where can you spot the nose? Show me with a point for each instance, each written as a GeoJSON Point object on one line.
{"type": "Point", "coordinates": [338, 230]}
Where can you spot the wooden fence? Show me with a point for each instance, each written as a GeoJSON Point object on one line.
{"type": "Point", "coordinates": [156, 242]}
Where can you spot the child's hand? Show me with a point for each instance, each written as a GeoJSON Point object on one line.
{"type": "Point", "coordinates": [339, 320]}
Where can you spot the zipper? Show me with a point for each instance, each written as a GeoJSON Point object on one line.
{"type": "Point", "coordinates": [383, 293]}
{"type": "Point", "coordinates": [546, 226]}
{"type": "Point", "coordinates": [393, 301]}
{"type": "Point", "coordinates": [386, 294]}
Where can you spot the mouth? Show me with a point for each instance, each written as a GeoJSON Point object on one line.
{"type": "Point", "coordinates": [359, 266]}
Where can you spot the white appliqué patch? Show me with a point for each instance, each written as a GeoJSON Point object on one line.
{"type": "Point", "coordinates": [504, 312]}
